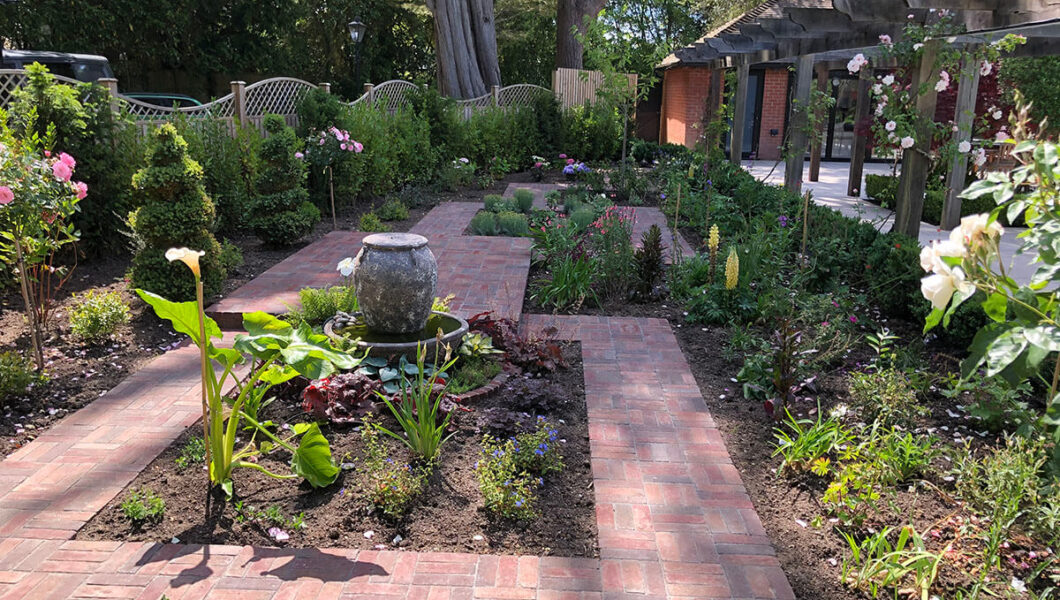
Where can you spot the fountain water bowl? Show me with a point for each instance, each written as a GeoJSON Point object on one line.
{"type": "Point", "coordinates": [385, 345]}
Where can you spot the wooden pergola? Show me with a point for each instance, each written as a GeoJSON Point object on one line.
{"type": "Point", "coordinates": [823, 34]}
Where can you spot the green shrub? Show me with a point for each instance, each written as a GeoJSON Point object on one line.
{"type": "Point", "coordinates": [95, 317]}
{"type": "Point", "coordinates": [892, 273]}
{"type": "Point", "coordinates": [507, 490]}
{"type": "Point", "coordinates": [882, 188]}
{"type": "Point", "coordinates": [317, 305]}
{"type": "Point", "coordinates": [484, 223]}
{"type": "Point", "coordinates": [884, 396]}
{"type": "Point", "coordinates": [582, 218]}
{"type": "Point", "coordinates": [524, 200]}
{"type": "Point", "coordinates": [472, 372]}
{"type": "Point", "coordinates": [176, 213]}
{"type": "Point", "coordinates": [370, 222]}
{"type": "Point", "coordinates": [513, 223]}
{"type": "Point", "coordinates": [392, 210]}
{"type": "Point", "coordinates": [592, 131]}
{"type": "Point", "coordinates": [142, 506]}
{"type": "Point", "coordinates": [231, 255]}
{"type": "Point", "coordinates": [537, 451]}
{"type": "Point", "coordinates": [496, 203]}
{"type": "Point", "coordinates": [282, 212]}
{"type": "Point", "coordinates": [105, 143]}
{"type": "Point", "coordinates": [16, 375]}
{"type": "Point", "coordinates": [387, 484]}
{"type": "Point", "coordinates": [569, 285]}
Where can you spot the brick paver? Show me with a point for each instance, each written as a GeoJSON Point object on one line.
{"type": "Point", "coordinates": [674, 519]}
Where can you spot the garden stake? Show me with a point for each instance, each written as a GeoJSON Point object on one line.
{"type": "Point", "coordinates": [805, 224]}
{"type": "Point", "coordinates": [204, 374]}
{"type": "Point", "coordinates": [331, 188]}
{"type": "Point", "coordinates": [673, 232]}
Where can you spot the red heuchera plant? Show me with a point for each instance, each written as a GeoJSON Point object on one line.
{"type": "Point", "coordinates": [534, 354]}
{"type": "Point", "coordinates": [343, 398]}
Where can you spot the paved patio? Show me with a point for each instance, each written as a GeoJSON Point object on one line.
{"type": "Point", "coordinates": [673, 516]}
{"type": "Point", "coordinates": [831, 191]}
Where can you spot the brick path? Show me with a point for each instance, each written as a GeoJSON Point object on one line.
{"type": "Point", "coordinates": [674, 519]}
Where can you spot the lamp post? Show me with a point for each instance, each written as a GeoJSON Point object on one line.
{"type": "Point", "coordinates": [356, 29]}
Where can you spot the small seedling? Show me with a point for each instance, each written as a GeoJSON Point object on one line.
{"type": "Point", "coordinates": [193, 452]}
{"type": "Point", "coordinates": [141, 506]}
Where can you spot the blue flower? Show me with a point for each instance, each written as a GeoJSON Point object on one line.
{"type": "Point", "coordinates": [539, 453]}
{"type": "Point", "coordinates": [507, 483]}
{"type": "Point", "coordinates": [498, 452]}
{"type": "Point", "coordinates": [518, 503]}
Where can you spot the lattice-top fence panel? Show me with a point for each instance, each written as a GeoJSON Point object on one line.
{"type": "Point", "coordinates": [223, 107]}
{"type": "Point", "coordinates": [391, 95]}
{"type": "Point", "coordinates": [13, 79]}
{"type": "Point", "coordinates": [279, 95]}
{"type": "Point", "coordinates": [522, 94]}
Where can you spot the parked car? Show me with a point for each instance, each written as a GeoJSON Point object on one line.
{"type": "Point", "coordinates": [82, 67]}
{"type": "Point", "coordinates": [162, 99]}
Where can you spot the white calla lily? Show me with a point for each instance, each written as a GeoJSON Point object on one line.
{"type": "Point", "coordinates": [187, 256]}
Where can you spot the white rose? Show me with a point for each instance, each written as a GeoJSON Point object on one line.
{"type": "Point", "coordinates": [980, 157]}
{"type": "Point", "coordinates": [907, 142]}
{"type": "Point", "coordinates": [888, 80]}
{"type": "Point", "coordinates": [877, 89]}
{"type": "Point", "coordinates": [939, 287]}
{"type": "Point", "coordinates": [997, 115]}
{"type": "Point", "coordinates": [891, 126]}
{"type": "Point", "coordinates": [964, 147]}
{"type": "Point", "coordinates": [986, 68]}
{"type": "Point", "coordinates": [975, 229]}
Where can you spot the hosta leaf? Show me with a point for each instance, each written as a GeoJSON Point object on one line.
{"type": "Point", "coordinates": [312, 459]}
{"type": "Point", "coordinates": [388, 374]}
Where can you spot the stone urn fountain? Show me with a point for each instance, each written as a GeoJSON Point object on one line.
{"type": "Point", "coordinates": [396, 276]}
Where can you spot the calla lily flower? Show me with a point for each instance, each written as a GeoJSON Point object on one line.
{"type": "Point", "coordinates": [346, 267]}
{"type": "Point", "coordinates": [187, 256]}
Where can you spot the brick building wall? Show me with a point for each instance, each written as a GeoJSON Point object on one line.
{"type": "Point", "coordinates": [774, 113]}
{"type": "Point", "coordinates": [685, 91]}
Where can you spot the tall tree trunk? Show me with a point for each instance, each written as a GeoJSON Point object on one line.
{"type": "Point", "coordinates": [465, 38]}
{"type": "Point", "coordinates": [570, 14]}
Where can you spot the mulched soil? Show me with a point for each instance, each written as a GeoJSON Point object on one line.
{"type": "Point", "coordinates": [78, 373]}
{"type": "Point", "coordinates": [447, 517]}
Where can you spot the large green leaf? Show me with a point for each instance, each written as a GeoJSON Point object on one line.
{"type": "Point", "coordinates": [312, 458]}
{"type": "Point", "coordinates": [183, 315]}
{"type": "Point", "coordinates": [1004, 350]}
{"type": "Point", "coordinates": [262, 323]}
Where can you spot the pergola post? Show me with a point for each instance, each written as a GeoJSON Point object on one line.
{"type": "Point", "coordinates": [967, 92]}
{"type": "Point", "coordinates": [712, 110]}
{"type": "Point", "coordinates": [861, 142]}
{"type": "Point", "coordinates": [739, 100]}
{"type": "Point", "coordinates": [818, 138]}
{"type": "Point", "coordinates": [916, 161]}
{"type": "Point", "coordinates": [797, 138]}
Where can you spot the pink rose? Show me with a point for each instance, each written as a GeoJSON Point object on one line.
{"type": "Point", "coordinates": [47, 154]}
{"type": "Point", "coordinates": [6, 195]}
{"type": "Point", "coordinates": [357, 146]}
{"type": "Point", "coordinates": [67, 160]}
{"type": "Point", "coordinates": [299, 155]}
{"type": "Point", "coordinates": [570, 161]}
{"type": "Point", "coordinates": [322, 140]}
{"type": "Point", "coordinates": [563, 156]}
{"type": "Point", "coordinates": [342, 146]}
{"type": "Point", "coordinates": [81, 188]}
{"type": "Point", "coordinates": [62, 171]}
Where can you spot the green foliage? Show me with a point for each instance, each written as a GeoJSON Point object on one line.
{"type": "Point", "coordinates": [176, 213]}
{"type": "Point", "coordinates": [390, 486]}
{"type": "Point", "coordinates": [95, 317]}
{"type": "Point", "coordinates": [392, 210]}
{"type": "Point", "coordinates": [885, 396]}
{"type": "Point", "coordinates": [537, 451]}
{"type": "Point", "coordinates": [1033, 77]}
{"type": "Point", "coordinates": [484, 223]}
{"type": "Point", "coordinates": [569, 284]}
{"type": "Point", "coordinates": [473, 372]}
{"type": "Point", "coordinates": [513, 224]}
{"type": "Point", "coordinates": [507, 491]}
{"type": "Point", "coordinates": [282, 212]}
{"type": "Point", "coordinates": [370, 222]}
{"type": "Point", "coordinates": [524, 200]}
{"type": "Point", "coordinates": [648, 262]}
{"type": "Point", "coordinates": [418, 408]}
{"type": "Point", "coordinates": [877, 564]}
{"type": "Point", "coordinates": [142, 506]}
{"type": "Point", "coordinates": [882, 188]}
{"type": "Point", "coordinates": [229, 166]}
{"type": "Point", "coordinates": [592, 131]}
{"type": "Point", "coordinates": [104, 143]}
{"type": "Point", "coordinates": [890, 274]}
{"type": "Point", "coordinates": [16, 375]}
{"type": "Point", "coordinates": [317, 305]}
{"type": "Point", "coordinates": [582, 218]}
{"type": "Point", "coordinates": [496, 203]}
{"type": "Point", "coordinates": [477, 345]}
{"type": "Point", "coordinates": [1005, 482]}
{"type": "Point", "coordinates": [192, 453]}
{"type": "Point", "coordinates": [802, 442]}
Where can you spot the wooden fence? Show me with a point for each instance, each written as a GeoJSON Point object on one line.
{"type": "Point", "coordinates": [574, 87]}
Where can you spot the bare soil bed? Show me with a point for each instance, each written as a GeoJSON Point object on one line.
{"type": "Point", "coordinates": [448, 516]}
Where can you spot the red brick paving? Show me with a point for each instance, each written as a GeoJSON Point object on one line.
{"type": "Point", "coordinates": [674, 519]}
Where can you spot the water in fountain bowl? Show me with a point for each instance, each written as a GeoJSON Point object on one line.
{"type": "Point", "coordinates": [389, 344]}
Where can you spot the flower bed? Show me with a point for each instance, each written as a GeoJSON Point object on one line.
{"type": "Point", "coordinates": [448, 514]}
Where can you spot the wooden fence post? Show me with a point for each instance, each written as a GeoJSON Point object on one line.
{"type": "Point", "coordinates": [326, 87]}
{"type": "Point", "coordinates": [368, 90]}
{"type": "Point", "coordinates": [112, 87]}
{"type": "Point", "coordinates": [495, 91]}
{"type": "Point", "coordinates": [239, 101]}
